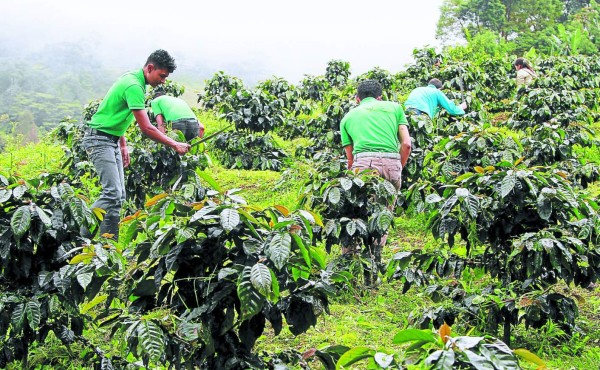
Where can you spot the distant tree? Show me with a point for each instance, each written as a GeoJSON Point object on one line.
{"type": "Point", "coordinates": [573, 7]}
{"type": "Point", "coordinates": [26, 128]}
{"type": "Point", "coordinates": [460, 18]}
{"type": "Point", "coordinates": [510, 19]}
{"type": "Point", "coordinates": [51, 84]}
{"type": "Point", "coordinates": [588, 18]}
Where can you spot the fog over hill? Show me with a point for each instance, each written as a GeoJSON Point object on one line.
{"type": "Point", "coordinates": [56, 56]}
{"type": "Point", "coordinates": [250, 40]}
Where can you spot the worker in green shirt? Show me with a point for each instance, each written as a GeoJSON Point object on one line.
{"type": "Point", "coordinates": [168, 108]}
{"type": "Point", "coordinates": [428, 99]}
{"type": "Point", "coordinates": [375, 135]}
{"type": "Point", "coordinates": [104, 139]}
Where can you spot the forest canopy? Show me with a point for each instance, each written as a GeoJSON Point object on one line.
{"type": "Point", "coordinates": [552, 27]}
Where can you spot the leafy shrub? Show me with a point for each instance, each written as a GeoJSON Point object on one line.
{"type": "Point", "coordinates": [441, 350]}
{"type": "Point", "coordinates": [249, 151]}
{"type": "Point", "coordinates": [206, 276]}
{"type": "Point", "coordinates": [337, 73]}
{"type": "Point", "coordinates": [218, 90]}
{"type": "Point", "coordinates": [39, 233]}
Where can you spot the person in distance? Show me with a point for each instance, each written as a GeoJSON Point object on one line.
{"type": "Point", "coordinates": [427, 100]}
{"type": "Point", "coordinates": [525, 73]}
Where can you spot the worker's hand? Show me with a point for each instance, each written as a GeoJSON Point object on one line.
{"type": "Point", "coordinates": [125, 156]}
{"type": "Point", "coordinates": [182, 148]}
{"type": "Point", "coordinates": [463, 105]}
{"type": "Point", "coordinates": [200, 130]}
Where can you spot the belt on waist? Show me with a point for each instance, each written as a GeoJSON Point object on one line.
{"type": "Point", "coordinates": [414, 111]}
{"type": "Point", "coordinates": [93, 131]}
{"type": "Point", "coordinates": [194, 120]}
{"type": "Point", "coordinates": [377, 154]}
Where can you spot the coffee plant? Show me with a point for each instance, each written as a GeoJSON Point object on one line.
{"type": "Point", "coordinates": [355, 207]}
{"type": "Point", "coordinates": [41, 291]}
{"type": "Point", "coordinates": [385, 78]}
{"type": "Point", "coordinates": [218, 90]}
{"type": "Point", "coordinates": [204, 276]}
{"type": "Point", "coordinates": [441, 350]}
{"type": "Point", "coordinates": [313, 88]}
{"type": "Point", "coordinates": [477, 209]}
{"type": "Point", "coordinates": [249, 151]}
{"type": "Point", "coordinates": [337, 73]}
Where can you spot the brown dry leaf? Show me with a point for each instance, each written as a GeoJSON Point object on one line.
{"type": "Point", "coordinates": [445, 331]}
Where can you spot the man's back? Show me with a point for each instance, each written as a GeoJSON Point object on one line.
{"type": "Point", "coordinates": [114, 114]}
{"type": "Point", "coordinates": [428, 99]}
{"type": "Point", "coordinates": [525, 76]}
{"type": "Point", "coordinates": [171, 108]}
{"type": "Point", "coordinates": [373, 126]}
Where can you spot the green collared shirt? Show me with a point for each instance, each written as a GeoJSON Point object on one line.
{"type": "Point", "coordinates": [373, 126]}
{"type": "Point", "coordinates": [114, 115]}
{"type": "Point", "coordinates": [172, 108]}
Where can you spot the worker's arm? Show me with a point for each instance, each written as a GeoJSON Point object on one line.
{"type": "Point", "coordinates": [160, 123]}
{"type": "Point", "coordinates": [349, 156]}
{"type": "Point", "coordinates": [449, 105]}
{"type": "Point", "coordinates": [154, 134]}
{"type": "Point", "coordinates": [200, 129]}
{"type": "Point", "coordinates": [124, 152]}
{"type": "Point", "coordinates": [405, 144]}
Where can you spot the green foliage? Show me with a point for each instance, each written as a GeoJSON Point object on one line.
{"type": "Point", "coordinates": [526, 24]}
{"type": "Point", "coordinates": [525, 247]}
{"type": "Point", "coordinates": [385, 78]}
{"type": "Point", "coordinates": [337, 73]}
{"type": "Point", "coordinates": [254, 110]}
{"type": "Point", "coordinates": [249, 151]}
{"type": "Point", "coordinates": [218, 90]}
{"type": "Point", "coordinates": [313, 87]}
{"type": "Point", "coordinates": [441, 351]}
{"type": "Point", "coordinates": [155, 167]}
{"type": "Point", "coordinates": [283, 90]}
{"type": "Point", "coordinates": [39, 230]}
{"type": "Point", "coordinates": [222, 268]}
{"type": "Point", "coordinates": [324, 130]}
{"type": "Point", "coordinates": [356, 212]}
{"type": "Point", "coordinates": [199, 275]}
{"type": "Point", "coordinates": [30, 160]}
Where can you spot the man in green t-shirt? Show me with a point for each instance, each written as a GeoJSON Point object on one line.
{"type": "Point", "coordinates": [104, 139]}
{"type": "Point", "coordinates": [375, 135]}
{"type": "Point", "coordinates": [168, 108]}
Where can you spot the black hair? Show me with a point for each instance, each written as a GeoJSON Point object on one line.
{"type": "Point", "coordinates": [158, 92]}
{"type": "Point", "coordinates": [369, 89]}
{"type": "Point", "coordinates": [435, 82]}
{"type": "Point", "coordinates": [162, 60]}
{"type": "Point", "coordinates": [523, 63]}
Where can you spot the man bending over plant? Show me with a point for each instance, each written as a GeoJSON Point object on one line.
{"type": "Point", "coordinates": [428, 100]}
{"type": "Point", "coordinates": [104, 139]}
{"type": "Point", "coordinates": [375, 135]}
{"type": "Point", "coordinates": [175, 110]}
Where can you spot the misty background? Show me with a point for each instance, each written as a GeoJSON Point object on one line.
{"type": "Point", "coordinates": [55, 56]}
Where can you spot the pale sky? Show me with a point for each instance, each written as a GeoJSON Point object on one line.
{"type": "Point", "coordinates": [272, 38]}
